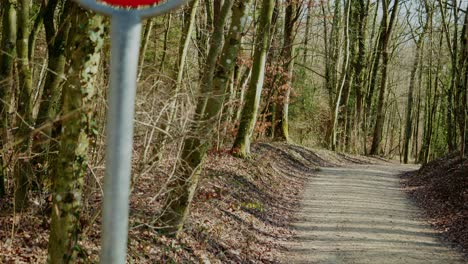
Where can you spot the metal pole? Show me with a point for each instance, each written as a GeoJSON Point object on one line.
{"type": "Point", "coordinates": [126, 34]}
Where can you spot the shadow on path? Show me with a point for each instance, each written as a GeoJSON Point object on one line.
{"type": "Point", "coordinates": [359, 214]}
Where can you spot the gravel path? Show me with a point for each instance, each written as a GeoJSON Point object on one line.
{"type": "Point", "coordinates": [359, 214]}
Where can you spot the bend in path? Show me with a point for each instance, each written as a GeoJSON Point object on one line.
{"type": "Point", "coordinates": [360, 215]}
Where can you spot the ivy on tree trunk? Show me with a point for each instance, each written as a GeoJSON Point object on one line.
{"type": "Point", "coordinates": [77, 121]}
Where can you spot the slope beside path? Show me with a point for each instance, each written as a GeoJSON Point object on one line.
{"type": "Point", "coordinates": [359, 214]}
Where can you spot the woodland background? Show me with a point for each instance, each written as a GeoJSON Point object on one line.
{"type": "Point", "coordinates": [383, 78]}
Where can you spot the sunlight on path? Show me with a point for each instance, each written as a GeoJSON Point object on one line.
{"type": "Point", "coordinates": [360, 215]}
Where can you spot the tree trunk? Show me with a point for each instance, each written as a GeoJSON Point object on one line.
{"type": "Point", "coordinates": [307, 31]}
{"type": "Point", "coordinates": [7, 57]}
{"type": "Point", "coordinates": [462, 86]}
{"type": "Point", "coordinates": [166, 43]}
{"type": "Point", "coordinates": [409, 106]}
{"type": "Point", "coordinates": [281, 126]}
{"type": "Point", "coordinates": [50, 100]}
{"type": "Point", "coordinates": [226, 72]}
{"type": "Point", "coordinates": [244, 82]}
{"type": "Point", "coordinates": [180, 70]}
{"type": "Point", "coordinates": [360, 65]}
{"type": "Point", "coordinates": [344, 86]}
{"type": "Point", "coordinates": [38, 21]}
{"type": "Point", "coordinates": [453, 49]}
{"type": "Point", "coordinates": [23, 169]}
{"type": "Point", "coordinates": [144, 46]}
{"type": "Point", "coordinates": [432, 98]}
{"type": "Point", "coordinates": [386, 31]}
{"type": "Point", "coordinates": [84, 55]}
{"type": "Point", "coordinates": [209, 103]}
{"type": "Point", "coordinates": [202, 32]}
{"type": "Point", "coordinates": [331, 46]}
{"type": "Point", "coordinates": [241, 145]}
{"type": "Point", "coordinates": [374, 61]}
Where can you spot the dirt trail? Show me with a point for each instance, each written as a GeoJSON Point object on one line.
{"type": "Point", "coordinates": [358, 214]}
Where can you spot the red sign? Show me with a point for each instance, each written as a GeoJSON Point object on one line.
{"type": "Point", "coordinates": [131, 3]}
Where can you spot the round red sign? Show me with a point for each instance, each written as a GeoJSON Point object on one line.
{"type": "Point", "coordinates": [131, 3]}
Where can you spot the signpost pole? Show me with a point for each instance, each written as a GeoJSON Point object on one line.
{"type": "Point", "coordinates": [125, 35]}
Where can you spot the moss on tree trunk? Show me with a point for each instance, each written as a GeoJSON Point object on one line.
{"type": "Point", "coordinates": [84, 55]}
{"type": "Point", "coordinates": [248, 119]}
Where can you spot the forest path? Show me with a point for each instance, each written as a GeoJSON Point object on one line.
{"type": "Point", "coordinates": [359, 214]}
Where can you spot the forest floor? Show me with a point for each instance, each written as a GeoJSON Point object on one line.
{"type": "Point", "coordinates": [243, 212]}
{"type": "Point", "coordinates": [441, 189]}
